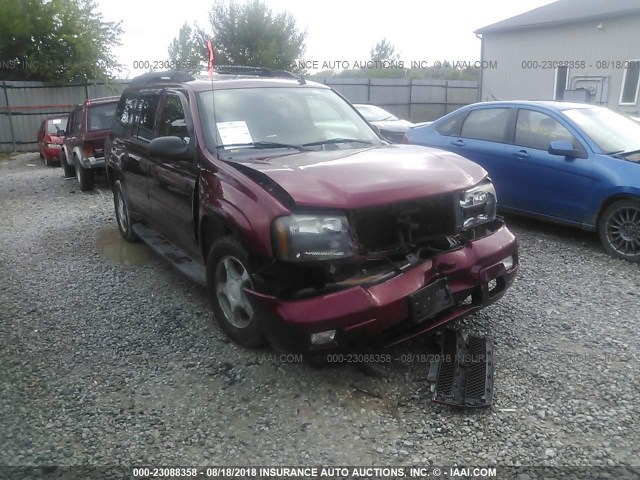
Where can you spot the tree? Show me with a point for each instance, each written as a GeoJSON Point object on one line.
{"type": "Point", "coordinates": [383, 50]}
{"type": "Point", "coordinates": [189, 48]}
{"type": "Point", "coordinates": [251, 34]}
{"type": "Point", "coordinates": [56, 40]}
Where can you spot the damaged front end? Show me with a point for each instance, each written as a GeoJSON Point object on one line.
{"type": "Point", "coordinates": [396, 271]}
{"type": "Point", "coordinates": [318, 254]}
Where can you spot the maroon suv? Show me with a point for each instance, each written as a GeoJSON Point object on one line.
{"type": "Point", "coordinates": [307, 229]}
{"type": "Point", "coordinates": [83, 147]}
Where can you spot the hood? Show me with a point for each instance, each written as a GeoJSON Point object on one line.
{"type": "Point", "coordinates": [53, 139]}
{"type": "Point", "coordinates": [393, 125]}
{"type": "Point", "coordinates": [356, 178]}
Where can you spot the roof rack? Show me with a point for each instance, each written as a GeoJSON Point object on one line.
{"type": "Point", "coordinates": [178, 76]}
{"type": "Point", "coordinates": [253, 71]}
{"type": "Point", "coordinates": [164, 76]}
{"type": "Point", "coordinates": [102, 99]}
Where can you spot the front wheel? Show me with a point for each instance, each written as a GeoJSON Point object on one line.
{"type": "Point", "coordinates": [85, 176]}
{"type": "Point", "coordinates": [619, 229]}
{"type": "Point", "coordinates": [227, 276]}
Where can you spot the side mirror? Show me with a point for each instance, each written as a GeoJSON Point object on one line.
{"type": "Point", "coordinates": [564, 148]}
{"type": "Point", "coordinates": [169, 147]}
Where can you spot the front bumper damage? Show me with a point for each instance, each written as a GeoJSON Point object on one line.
{"type": "Point", "coordinates": [475, 275]}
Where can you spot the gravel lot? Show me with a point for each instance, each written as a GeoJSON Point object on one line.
{"type": "Point", "coordinates": [109, 357]}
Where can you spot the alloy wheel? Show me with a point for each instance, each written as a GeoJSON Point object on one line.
{"type": "Point", "coordinates": [623, 230]}
{"type": "Point", "coordinates": [121, 212]}
{"type": "Point", "coordinates": [231, 280]}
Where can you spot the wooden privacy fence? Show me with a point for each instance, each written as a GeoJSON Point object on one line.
{"type": "Point", "coordinates": [23, 105]}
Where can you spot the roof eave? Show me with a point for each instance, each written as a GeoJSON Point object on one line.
{"type": "Point", "coordinates": [496, 28]}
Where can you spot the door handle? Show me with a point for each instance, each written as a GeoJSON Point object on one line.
{"type": "Point", "coordinates": [522, 154]}
{"type": "Point", "coordinates": [458, 143]}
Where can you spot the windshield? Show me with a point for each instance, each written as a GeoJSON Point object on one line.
{"type": "Point", "coordinates": [56, 124]}
{"type": "Point", "coordinates": [101, 116]}
{"type": "Point", "coordinates": [281, 117]}
{"type": "Point", "coordinates": [610, 131]}
{"type": "Point", "coordinates": [375, 114]}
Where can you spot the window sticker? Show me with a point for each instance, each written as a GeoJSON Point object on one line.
{"type": "Point", "coordinates": [234, 133]}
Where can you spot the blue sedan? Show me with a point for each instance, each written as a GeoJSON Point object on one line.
{"type": "Point", "coordinates": [571, 163]}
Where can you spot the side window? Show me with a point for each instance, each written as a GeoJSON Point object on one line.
{"type": "Point", "coordinates": [537, 130]}
{"type": "Point", "coordinates": [75, 121]}
{"type": "Point", "coordinates": [126, 109]}
{"type": "Point", "coordinates": [146, 117]}
{"type": "Point", "coordinates": [453, 125]}
{"type": "Point", "coordinates": [486, 124]}
{"type": "Point", "coordinates": [172, 119]}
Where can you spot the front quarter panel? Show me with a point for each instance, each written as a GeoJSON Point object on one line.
{"type": "Point", "coordinates": [618, 178]}
{"type": "Point", "coordinates": [245, 207]}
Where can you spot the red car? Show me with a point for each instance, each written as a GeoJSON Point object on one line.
{"type": "Point", "coordinates": [50, 136]}
{"type": "Point", "coordinates": [307, 228]}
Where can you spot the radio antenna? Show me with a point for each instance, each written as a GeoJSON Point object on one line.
{"type": "Point", "coordinates": [213, 102]}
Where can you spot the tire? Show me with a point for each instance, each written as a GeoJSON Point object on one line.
{"type": "Point", "coordinates": [123, 215]}
{"type": "Point", "coordinates": [619, 230]}
{"type": "Point", "coordinates": [47, 163]}
{"type": "Point", "coordinates": [86, 178]}
{"type": "Point", "coordinates": [227, 275]}
{"type": "Point", "coordinates": [67, 170]}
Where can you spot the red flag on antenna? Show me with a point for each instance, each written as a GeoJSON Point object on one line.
{"type": "Point", "coordinates": [211, 58]}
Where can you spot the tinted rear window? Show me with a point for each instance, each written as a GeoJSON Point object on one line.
{"type": "Point", "coordinates": [101, 116]}
{"type": "Point", "coordinates": [486, 124]}
{"type": "Point", "coordinates": [56, 124]}
{"type": "Point", "coordinates": [452, 125]}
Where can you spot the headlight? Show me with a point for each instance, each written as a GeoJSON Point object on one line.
{"type": "Point", "coordinates": [478, 204]}
{"type": "Point", "coordinates": [299, 238]}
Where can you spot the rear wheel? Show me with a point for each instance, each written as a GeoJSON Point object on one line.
{"type": "Point", "coordinates": [67, 170]}
{"type": "Point", "coordinates": [619, 229]}
{"type": "Point", "coordinates": [85, 177]}
{"type": "Point", "coordinates": [227, 276]}
{"type": "Point", "coordinates": [123, 217]}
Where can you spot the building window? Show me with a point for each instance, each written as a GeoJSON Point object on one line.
{"type": "Point", "coordinates": [630, 83]}
{"type": "Point", "coordinates": [561, 82]}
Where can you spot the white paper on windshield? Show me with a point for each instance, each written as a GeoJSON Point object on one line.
{"type": "Point", "coordinates": [57, 121]}
{"type": "Point", "coordinates": [234, 133]}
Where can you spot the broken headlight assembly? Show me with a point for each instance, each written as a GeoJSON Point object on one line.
{"type": "Point", "coordinates": [302, 238]}
{"type": "Point", "coordinates": [478, 204]}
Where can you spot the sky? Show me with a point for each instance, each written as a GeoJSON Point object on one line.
{"type": "Point", "coordinates": [337, 30]}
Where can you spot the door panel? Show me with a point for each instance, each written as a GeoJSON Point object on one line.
{"type": "Point", "coordinates": [482, 140]}
{"type": "Point", "coordinates": [172, 181]}
{"type": "Point", "coordinates": [546, 184]}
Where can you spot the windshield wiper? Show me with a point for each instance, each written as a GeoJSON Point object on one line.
{"type": "Point", "coordinates": [337, 140]}
{"type": "Point", "coordinates": [265, 144]}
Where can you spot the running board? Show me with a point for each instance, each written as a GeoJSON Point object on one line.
{"type": "Point", "coordinates": [178, 258]}
{"type": "Point", "coordinates": [462, 375]}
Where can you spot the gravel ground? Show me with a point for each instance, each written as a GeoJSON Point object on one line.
{"type": "Point", "coordinates": [109, 357]}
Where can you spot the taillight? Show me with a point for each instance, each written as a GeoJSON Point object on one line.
{"type": "Point", "coordinates": [88, 151]}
